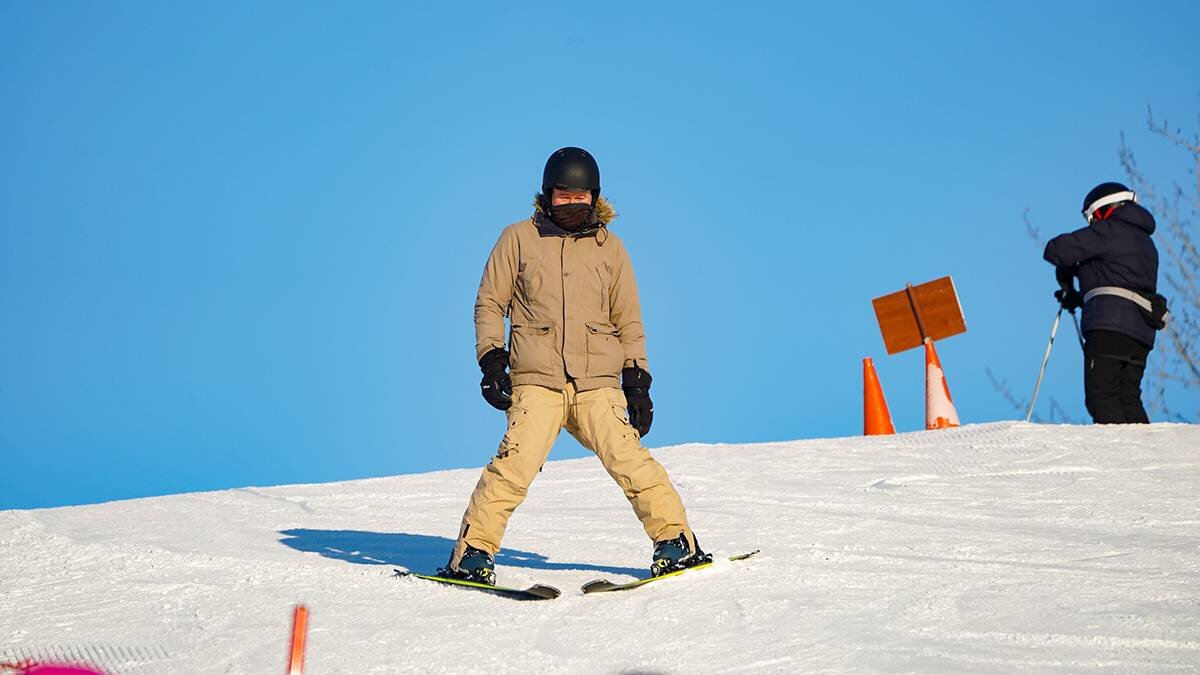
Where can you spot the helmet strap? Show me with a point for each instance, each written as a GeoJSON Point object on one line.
{"type": "Point", "coordinates": [1101, 214]}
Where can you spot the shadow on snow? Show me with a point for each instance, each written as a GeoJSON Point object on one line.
{"type": "Point", "coordinates": [417, 552]}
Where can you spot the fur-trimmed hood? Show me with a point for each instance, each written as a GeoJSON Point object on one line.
{"type": "Point", "coordinates": [605, 213]}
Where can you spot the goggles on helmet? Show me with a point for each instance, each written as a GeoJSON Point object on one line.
{"type": "Point", "coordinates": [1089, 211]}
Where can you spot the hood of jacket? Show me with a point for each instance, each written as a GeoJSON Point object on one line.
{"type": "Point", "coordinates": [604, 213]}
{"type": "Point", "coordinates": [1136, 215]}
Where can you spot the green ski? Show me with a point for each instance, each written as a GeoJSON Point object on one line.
{"type": "Point", "coordinates": [605, 586]}
{"type": "Point", "coordinates": [535, 592]}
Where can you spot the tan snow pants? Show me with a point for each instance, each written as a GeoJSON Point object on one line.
{"type": "Point", "coordinates": [598, 420]}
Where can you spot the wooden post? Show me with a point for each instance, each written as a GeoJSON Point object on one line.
{"type": "Point", "coordinates": [916, 308]}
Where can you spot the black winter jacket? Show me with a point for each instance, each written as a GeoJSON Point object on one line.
{"type": "Point", "coordinates": [1116, 251]}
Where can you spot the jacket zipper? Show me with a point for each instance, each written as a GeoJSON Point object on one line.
{"type": "Point", "coordinates": [562, 278]}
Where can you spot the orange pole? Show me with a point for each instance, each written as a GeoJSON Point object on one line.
{"type": "Point", "coordinates": [299, 637]}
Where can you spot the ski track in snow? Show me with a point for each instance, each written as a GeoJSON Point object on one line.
{"type": "Point", "coordinates": [990, 548]}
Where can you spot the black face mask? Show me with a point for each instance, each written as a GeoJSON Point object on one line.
{"type": "Point", "coordinates": [571, 216]}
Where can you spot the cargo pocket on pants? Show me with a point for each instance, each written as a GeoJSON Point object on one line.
{"type": "Point", "coordinates": [509, 444]}
{"type": "Point", "coordinates": [619, 407]}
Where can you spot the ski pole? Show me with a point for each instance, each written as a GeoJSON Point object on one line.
{"type": "Point", "coordinates": [1078, 333]}
{"type": "Point", "coordinates": [1045, 360]}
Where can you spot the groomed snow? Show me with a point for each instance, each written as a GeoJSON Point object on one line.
{"type": "Point", "coordinates": [990, 548]}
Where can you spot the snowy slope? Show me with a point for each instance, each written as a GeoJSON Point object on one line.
{"type": "Point", "coordinates": [991, 548]}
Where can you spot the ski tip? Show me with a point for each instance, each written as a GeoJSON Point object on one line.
{"type": "Point", "coordinates": [598, 585]}
{"type": "Point", "coordinates": [543, 592]}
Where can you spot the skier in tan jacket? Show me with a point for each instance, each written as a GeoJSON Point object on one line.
{"type": "Point", "coordinates": [576, 359]}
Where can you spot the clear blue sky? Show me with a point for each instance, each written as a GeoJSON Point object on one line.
{"type": "Point", "coordinates": [239, 245]}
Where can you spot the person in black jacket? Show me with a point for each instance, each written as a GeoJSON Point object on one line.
{"type": "Point", "coordinates": [1117, 266]}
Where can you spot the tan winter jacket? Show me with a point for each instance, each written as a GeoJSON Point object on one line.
{"type": "Point", "coordinates": [571, 299]}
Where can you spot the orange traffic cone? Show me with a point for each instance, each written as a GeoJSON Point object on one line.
{"type": "Point", "coordinates": [877, 421]}
{"type": "Point", "coordinates": [939, 409]}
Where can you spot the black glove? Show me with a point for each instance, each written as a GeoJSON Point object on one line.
{"type": "Point", "coordinates": [496, 385]}
{"type": "Point", "coordinates": [1069, 298]}
{"type": "Point", "coordinates": [636, 383]}
{"type": "Point", "coordinates": [1066, 295]}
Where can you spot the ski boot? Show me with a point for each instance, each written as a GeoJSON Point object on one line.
{"type": "Point", "coordinates": [672, 555]}
{"type": "Point", "coordinates": [476, 565]}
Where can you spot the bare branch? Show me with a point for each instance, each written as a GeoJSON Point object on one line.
{"type": "Point", "coordinates": [1057, 413]}
{"type": "Point", "coordinates": [1001, 386]}
{"type": "Point", "coordinates": [1175, 137]}
{"type": "Point", "coordinates": [1032, 230]}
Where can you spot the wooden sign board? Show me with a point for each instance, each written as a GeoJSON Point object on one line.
{"type": "Point", "coordinates": [930, 310]}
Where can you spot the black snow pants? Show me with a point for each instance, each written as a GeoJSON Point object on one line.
{"type": "Point", "coordinates": [1113, 366]}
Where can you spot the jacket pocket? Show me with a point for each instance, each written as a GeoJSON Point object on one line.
{"type": "Point", "coordinates": [533, 349]}
{"type": "Point", "coordinates": [605, 355]}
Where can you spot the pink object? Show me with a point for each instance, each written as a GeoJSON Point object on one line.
{"type": "Point", "coordinates": [62, 670]}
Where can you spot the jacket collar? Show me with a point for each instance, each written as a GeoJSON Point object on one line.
{"type": "Point", "coordinates": [546, 227]}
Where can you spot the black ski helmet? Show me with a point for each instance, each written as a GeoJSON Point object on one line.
{"type": "Point", "coordinates": [1105, 194]}
{"type": "Point", "coordinates": [571, 169]}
